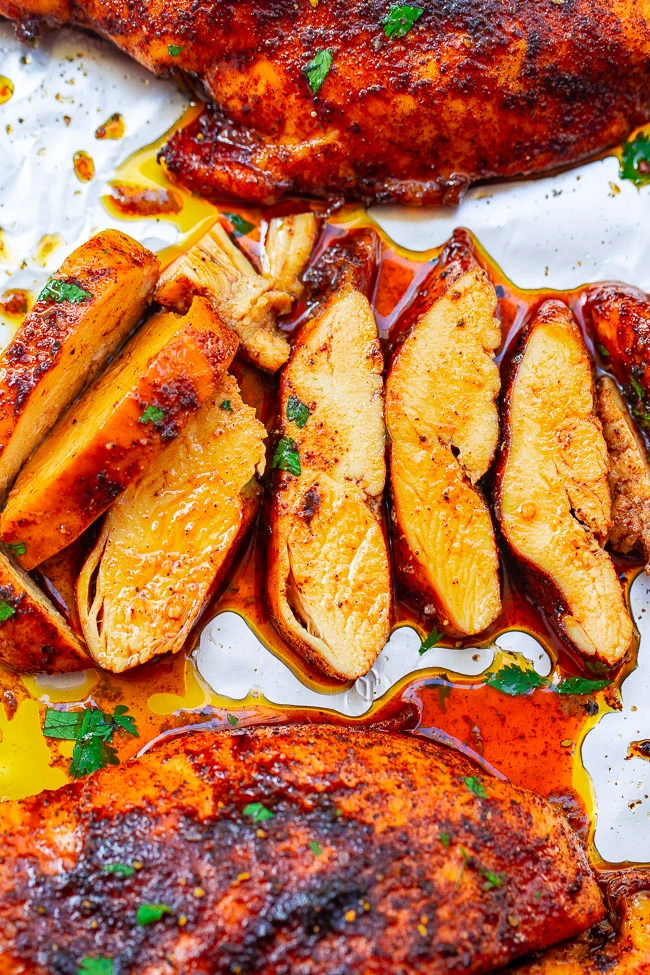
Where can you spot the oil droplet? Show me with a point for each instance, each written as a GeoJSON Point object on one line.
{"type": "Point", "coordinates": [84, 166]}
{"type": "Point", "coordinates": [113, 128]}
{"type": "Point", "coordinates": [15, 303]}
{"type": "Point", "coordinates": [25, 758]}
{"type": "Point", "coordinates": [131, 200]}
{"type": "Point", "coordinates": [46, 246]}
{"type": "Point", "coordinates": [6, 89]}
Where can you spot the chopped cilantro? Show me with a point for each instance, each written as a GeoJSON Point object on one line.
{"type": "Point", "coordinates": [514, 680]}
{"type": "Point", "coordinates": [96, 966]}
{"type": "Point", "coordinates": [400, 20]}
{"type": "Point", "coordinates": [635, 160]}
{"type": "Point", "coordinates": [257, 812]}
{"type": "Point", "coordinates": [18, 548]}
{"type": "Point", "coordinates": [240, 226]}
{"type": "Point", "coordinates": [475, 785]}
{"type": "Point", "coordinates": [637, 387]}
{"type": "Point", "coordinates": [603, 351]}
{"type": "Point", "coordinates": [233, 721]}
{"type": "Point", "coordinates": [492, 880]}
{"type": "Point", "coordinates": [297, 411]}
{"type": "Point", "coordinates": [153, 413]}
{"type": "Point", "coordinates": [581, 685]}
{"type": "Point", "coordinates": [226, 405]}
{"type": "Point", "coordinates": [92, 731]}
{"type": "Point", "coordinates": [6, 610]}
{"type": "Point", "coordinates": [318, 69]}
{"type": "Point", "coordinates": [148, 913]}
{"type": "Point", "coordinates": [315, 848]}
{"type": "Point", "coordinates": [431, 641]}
{"type": "Point", "coordinates": [286, 456]}
{"type": "Point", "coordinates": [538, 895]}
{"type": "Point", "coordinates": [62, 291]}
{"type": "Point", "coordinates": [174, 49]}
{"type": "Point", "coordinates": [121, 870]}
{"type": "Point", "coordinates": [445, 839]}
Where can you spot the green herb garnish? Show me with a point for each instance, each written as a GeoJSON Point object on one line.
{"type": "Point", "coordinates": [240, 226]}
{"type": "Point", "coordinates": [286, 456]}
{"type": "Point", "coordinates": [635, 160]}
{"type": "Point", "coordinates": [538, 895]}
{"type": "Point", "coordinates": [475, 785]}
{"type": "Point", "coordinates": [226, 405]}
{"type": "Point", "coordinates": [92, 731]}
{"type": "Point", "coordinates": [61, 291]}
{"type": "Point", "coordinates": [514, 680]}
{"type": "Point", "coordinates": [318, 69]}
{"type": "Point", "coordinates": [431, 641]}
{"type": "Point", "coordinates": [445, 839]}
{"type": "Point", "coordinates": [148, 913]}
{"type": "Point", "coordinates": [603, 351]}
{"type": "Point", "coordinates": [174, 49]}
{"type": "Point", "coordinates": [581, 685]}
{"type": "Point", "coordinates": [18, 548]}
{"type": "Point", "coordinates": [6, 610]}
{"type": "Point", "coordinates": [257, 812]}
{"type": "Point", "coordinates": [315, 848]}
{"type": "Point", "coordinates": [637, 387]}
{"type": "Point", "coordinates": [153, 413]}
{"type": "Point", "coordinates": [492, 880]}
{"type": "Point", "coordinates": [121, 870]}
{"type": "Point", "coordinates": [297, 411]}
{"type": "Point", "coordinates": [96, 966]}
{"type": "Point", "coordinates": [233, 721]}
{"type": "Point", "coordinates": [400, 20]}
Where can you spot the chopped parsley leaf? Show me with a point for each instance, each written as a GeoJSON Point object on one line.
{"type": "Point", "coordinates": [233, 721]}
{"type": "Point", "coordinates": [240, 226]}
{"type": "Point", "coordinates": [400, 19]}
{"type": "Point", "coordinates": [538, 895]}
{"type": "Point", "coordinates": [96, 966]}
{"type": "Point", "coordinates": [226, 405]}
{"type": "Point", "coordinates": [635, 160]}
{"type": "Point", "coordinates": [149, 913]}
{"type": "Point", "coordinates": [62, 291]}
{"type": "Point", "coordinates": [257, 812]}
{"type": "Point", "coordinates": [603, 351]}
{"type": "Point", "coordinates": [153, 413]}
{"type": "Point", "coordinates": [297, 411]}
{"type": "Point", "coordinates": [286, 456]}
{"type": "Point", "coordinates": [475, 785]}
{"type": "Point", "coordinates": [6, 610]}
{"type": "Point", "coordinates": [637, 387]}
{"type": "Point", "coordinates": [92, 731]}
{"type": "Point", "coordinates": [431, 641]}
{"type": "Point", "coordinates": [18, 548]}
{"type": "Point", "coordinates": [581, 685]}
{"type": "Point", "coordinates": [318, 69]}
{"type": "Point", "coordinates": [492, 880]}
{"type": "Point", "coordinates": [513, 680]}
{"type": "Point", "coordinates": [174, 49]}
{"type": "Point", "coordinates": [445, 839]}
{"type": "Point", "coordinates": [315, 848]}
{"type": "Point", "coordinates": [121, 870]}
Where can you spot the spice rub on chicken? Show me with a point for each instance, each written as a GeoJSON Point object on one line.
{"type": "Point", "coordinates": [300, 848]}
{"type": "Point", "coordinates": [552, 492]}
{"type": "Point", "coordinates": [328, 584]}
{"type": "Point", "coordinates": [443, 427]}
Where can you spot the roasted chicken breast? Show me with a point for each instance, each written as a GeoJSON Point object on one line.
{"type": "Point", "coordinates": [308, 849]}
{"type": "Point", "coordinates": [82, 316]}
{"type": "Point", "coordinates": [328, 580]}
{"type": "Point", "coordinates": [552, 493]}
{"type": "Point", "coordinates": [629, 474]}
{"type": "Point", "coordinates": [443, 427]}
{"type": "Point", "coordinates": [168, 540]}
{"type": "Point", "coordinates": [249, 302]}
{"type": "Point", "coordinates": [118, 427]}
{"type": "Point", "coordinates": [618, 318]}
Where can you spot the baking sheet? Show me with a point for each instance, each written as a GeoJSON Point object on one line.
{"type": "Point", "coordinates": [558, 232]}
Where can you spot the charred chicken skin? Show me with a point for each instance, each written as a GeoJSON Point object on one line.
{"type": "Point", "coordinates": [342, 98]}
{"type": "Point", "coordinates": [313, 850]}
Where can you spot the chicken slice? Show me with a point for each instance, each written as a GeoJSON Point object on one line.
{"type": "Point", "coordinates": [307, 849]}
{"type": "Point", "coordinates": [328, 584]}
{"type": "Point", "coordinates": [629, 474]}
{"type": "Point", "coordinates": [249, 302]}
{"type": "Point", "coordinates": [443, 427]}
{"type": "Point", "coordinates": [552, 496]}
{"type": "Point", "coordinates": [168, 541]}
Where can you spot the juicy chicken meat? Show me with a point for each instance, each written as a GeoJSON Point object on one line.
{"type": "Point", "coordinates": [474, 90]}
{"type": "Point", "coordinates": [629, 475]}
{"type": "Point", "coordinates": [328, 582]}
{"type": "Point", "coordinates": [443, 426]}
{"type": "Point", "coordinates": [168, 540]}
{"type": "Point", "coordinates": [249, 302]}
{"type": "Point", "coordinates": [117, 428]}
{"type": "Point", "coordinates": [374, 856]}
{"type": "Point", "coordinates": [62, 344]}
{"type": "Point", "coordinates": [552, 492]}
{"type": "Point", "coordinates": [618, 317]}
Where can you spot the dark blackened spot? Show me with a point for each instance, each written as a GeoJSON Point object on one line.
{"type": "Point", "coordinates": [310, 503]}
